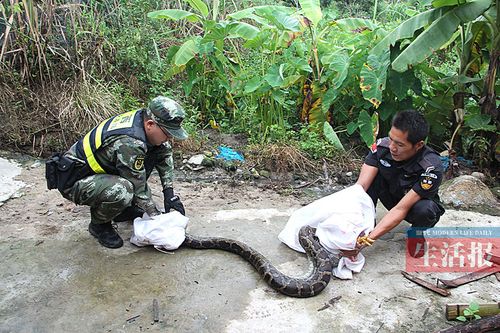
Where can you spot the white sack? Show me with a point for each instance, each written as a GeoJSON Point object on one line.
{"type": "Point", "coordinates": [164, 231]}
{"type": "Point", "coordinates": [339, 219]}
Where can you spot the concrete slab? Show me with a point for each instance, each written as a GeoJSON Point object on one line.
{"type": "Point", "coordinates": [9, 186]}
{"type": "Point", "coordinates": [56, 278]}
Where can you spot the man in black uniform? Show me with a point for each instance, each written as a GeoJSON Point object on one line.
{"type": "Point", "coordinates": [404, 174]}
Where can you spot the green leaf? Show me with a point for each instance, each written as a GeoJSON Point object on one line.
{"type": "Point", "coordinates": [459, 79]}
{"type": "Point", "coordinates": [400, 83]}
{"type": "Point", "coordinates": [352, 127]}
{"type": "Point", "coordinates": [174, 14]}
{"type": "Point", "coordinates": [278, 96]}
{"type": "Point", "coordinates": [244, 30]}
{"type": "Point", "coordinates": [473, 306]}
{"type": "Point", "coordinates": [300, 64]}
{"type": "Point", "coordinates": [461, 318]}
{"type": "Point", "coordinates": [444, 3]}
{"type": "Point", "coordinates": [261, 38]}
{"type": "Point", "coordinates": [480, 122]}
{"type": "Point", "coordinates": [174, 70]}
{"type": "Point", "coordinates": [186, 52]}
{"type": "Point", "coordinates": [328, 99]}
{"type": "Point", "coordinates": [438, 33]}
{"type": "Point", "coordinates": [252, 85]}
{"type": "Point", "coordinates": [356, 24]}
{"type": "Point", "coordinates": [373, 78]}
{"type": "Point", "coordinates": [339, 64]}
{"type": "Point", "coordinates": [200, 6]}
{"type": "Point", "coordinates": [365, 128]}
{"type": "Point", "coordinates": [280, 19]}
{"type": "Point", "coordinates": [273, 77]}
{"type": "Point", "coordinates": [407, 29]}
{"type": "Point", "coordinates": [312, 10]}
{"type": "Point", "coordinates": [332, 137]}
{"type": "Point", "coordinates": [468, 313]}
{"type": "Point", "coordinates": [290, 80]}
{"type": "Point", "coordinates": [249, 13]}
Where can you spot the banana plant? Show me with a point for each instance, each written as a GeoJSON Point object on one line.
{"type": "Point", "coordinates": [472, 28]}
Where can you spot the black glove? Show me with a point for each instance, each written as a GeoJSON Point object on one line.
{"type": "Point", "coordinates": [172, 201]}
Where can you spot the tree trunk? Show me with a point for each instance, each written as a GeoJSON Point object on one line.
{"type": "Point", "coordinates": [489, 98]}
{"type": "Point", "coordinates": [488, 107]}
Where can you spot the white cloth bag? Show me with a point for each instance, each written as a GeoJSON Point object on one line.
{"type": "Point", "coordinates": [339, 219]}
{"type": "Point", "coordinates": [165, 232]}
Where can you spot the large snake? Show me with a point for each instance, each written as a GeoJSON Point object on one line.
{"type": "Point", "coordinates": [308, 286]}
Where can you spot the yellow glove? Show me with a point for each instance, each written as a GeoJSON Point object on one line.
{"type": "Point", "coordinates": [365, 240]}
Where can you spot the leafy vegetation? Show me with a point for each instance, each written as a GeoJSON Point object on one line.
{"type": "Point", "coordinates": [323, 76]}
{"type": "Point", "coordinates": [470, 313]}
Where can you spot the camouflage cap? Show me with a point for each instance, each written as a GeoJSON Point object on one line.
{"type": "Point", "coordinates": [168, 114]}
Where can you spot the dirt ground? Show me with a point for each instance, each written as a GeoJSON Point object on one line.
{"type": "Point", "coordinates": [55, 277]}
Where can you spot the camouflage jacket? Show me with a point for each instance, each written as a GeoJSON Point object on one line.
{"type": "Point", "coordinates": [134, 160]}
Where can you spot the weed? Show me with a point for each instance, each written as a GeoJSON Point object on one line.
{"type": "Point", "coordinates": [470, 313]}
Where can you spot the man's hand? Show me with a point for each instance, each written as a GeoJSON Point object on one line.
{"type": "Point", "coordinates": [172, 201]}
{"type": "Point", "coordinates": [352, 254]}
{"type": "Point", "coordinates": [361, 242]}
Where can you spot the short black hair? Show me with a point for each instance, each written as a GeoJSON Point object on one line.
{"type": "Point", "coordinates": [413, 123]}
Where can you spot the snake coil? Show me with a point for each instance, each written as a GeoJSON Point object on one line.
{"type": "Point", "coordinates": [308, 286]}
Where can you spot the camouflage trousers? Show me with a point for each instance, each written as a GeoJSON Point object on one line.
{"type": "Point", "coordinates": [107, 196]}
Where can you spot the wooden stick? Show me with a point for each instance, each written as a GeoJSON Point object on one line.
{"type": "Point", "coordinates": [492, 258]}
{"type": "Point", "coordinates": [425, 284]}
{"type": "Point", "coordinates": [488, 324]}
{"type": "Point", "coordinates": [485, 310]}
{"type": "Point", "coordinates": [469, 277]}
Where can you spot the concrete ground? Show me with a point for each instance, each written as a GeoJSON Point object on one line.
{"type": "Point", "coordinates": [55, 277]}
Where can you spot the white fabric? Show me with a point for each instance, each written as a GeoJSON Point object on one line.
{"type": "Point", "coordinates": [165, 231]}
{"type": "Point", "coordinates": [339, 219]}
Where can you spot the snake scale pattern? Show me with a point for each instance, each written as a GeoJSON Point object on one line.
{"type": "Point", "coordinates": [307, 286]}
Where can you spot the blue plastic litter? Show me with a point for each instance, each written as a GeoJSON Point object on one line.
{"type": "Point", "coordinates": [229, 154]}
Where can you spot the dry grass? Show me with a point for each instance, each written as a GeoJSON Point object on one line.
{"type": "Point", "coordinates": [280, 157]}
{"type": "Point", "coordinates": [50, 118]}
{"type": "Point", "coordinates": [284, 158]}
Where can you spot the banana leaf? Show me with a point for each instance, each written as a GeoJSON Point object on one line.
{"type": "Point", "coordinates": [407, 29]}
{"type": "Point", "coordinates": [186, 52]}
{"type": "Point", "coordinates": [200, 6]}
{"type": "Point", "coordinates": [174, 14]}
{"type": "Point", "coordinates": [357, 24]}
{"type": "Point", "coordinates": [438, 33]}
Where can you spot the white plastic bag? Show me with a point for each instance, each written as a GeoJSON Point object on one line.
{"type": "Point", "coordinates": [164, 231]}
{"type": "Point", "coordinates": [339, 219]}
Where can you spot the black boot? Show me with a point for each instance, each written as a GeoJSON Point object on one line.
{"type": "Point", "coordinates": [129, 214]}
{"type": "Point", "coordinates": [106, 235]}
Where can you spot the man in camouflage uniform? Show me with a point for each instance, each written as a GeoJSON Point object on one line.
{"type": "Point", "coordinates": [121, 153]}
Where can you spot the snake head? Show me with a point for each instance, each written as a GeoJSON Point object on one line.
{"type": "Point", "coordinates": [307, 233]}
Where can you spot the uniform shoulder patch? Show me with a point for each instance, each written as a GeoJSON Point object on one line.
{"type": "Point", "coordinates": [139, 163]}
{"type": "Point", "coordinates": [427, 180]}
{"type": "Point", "coordinates": [374, 146]}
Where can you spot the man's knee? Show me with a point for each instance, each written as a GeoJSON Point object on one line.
{"type": "Point", "coordinates": [121, 193]}
{"type": "Point", "coordinates": [425, 213]}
